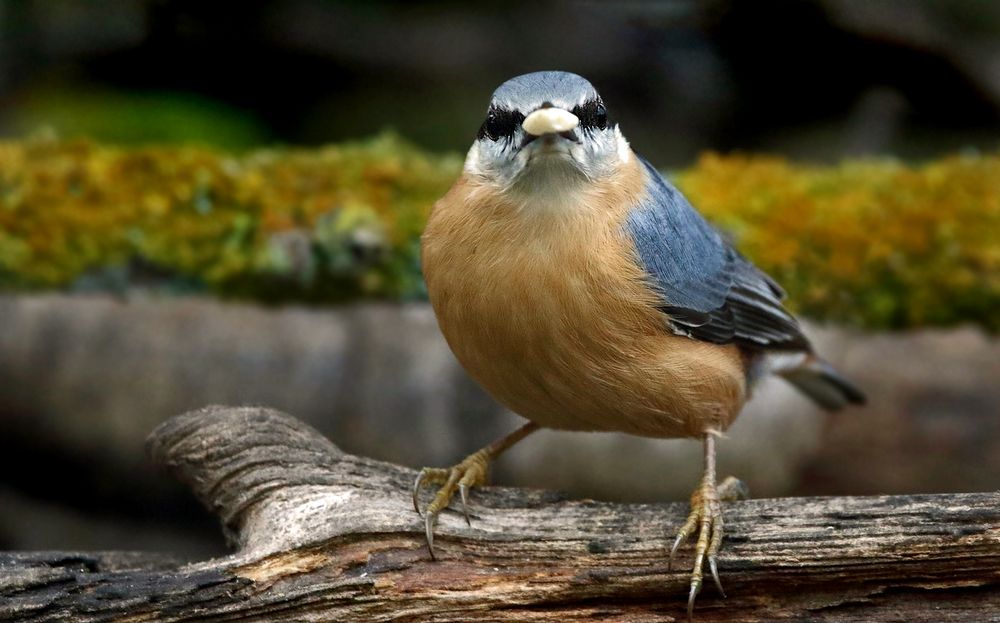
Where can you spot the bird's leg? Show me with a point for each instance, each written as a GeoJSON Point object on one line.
{"type": "Point", "coordinates": [706, 519]}
{"type": "Point", "coordinates": [463, 476]}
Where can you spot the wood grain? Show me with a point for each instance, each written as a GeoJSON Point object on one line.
{"type": "Point", "coordinates": [323, 535]}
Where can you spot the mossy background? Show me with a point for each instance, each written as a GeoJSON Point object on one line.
{"type": "Point", "coordinates": [323, 225]}
{"type": "Point", "coordinates": [870, 243]}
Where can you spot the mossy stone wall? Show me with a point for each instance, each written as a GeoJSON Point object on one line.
{"type": "Point", "coordinates": [877, 244]}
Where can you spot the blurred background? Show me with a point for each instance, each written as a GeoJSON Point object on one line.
{"type": "Point", "coordinates": [817, 80]}
{"type": "Point", "coordinates": [86, 372]}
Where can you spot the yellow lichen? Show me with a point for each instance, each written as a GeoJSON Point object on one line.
{"type": "Point", "coordinates": [72, 210]}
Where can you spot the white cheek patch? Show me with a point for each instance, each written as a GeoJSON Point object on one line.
{"type": "Point", "coordinates": [624, 151]}
{"type": "Point", "coordinates": [472, 160]}
{"type": "Point", "coordinates": [549, 121]}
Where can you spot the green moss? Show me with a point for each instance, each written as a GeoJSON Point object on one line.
{"type": "Point", "coordinates": [873, 243]}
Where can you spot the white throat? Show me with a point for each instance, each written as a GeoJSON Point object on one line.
{"type": "Point", "coordinates": [550, 185]}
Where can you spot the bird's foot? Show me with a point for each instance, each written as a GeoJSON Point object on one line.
{"type": "Point", "coordinates": [462, 477]}
{"type": "Point", "coordinates": [706, 519]}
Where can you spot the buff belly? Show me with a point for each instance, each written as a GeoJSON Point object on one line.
{"type": "Point", "coordinates": [523, 351]}
{"type": "Point", "coordinates": [554, 319]}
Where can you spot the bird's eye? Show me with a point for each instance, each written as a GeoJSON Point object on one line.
{"type": "Point", "coordinates": [495, 125]}
{"type": "Point", "coordinates": [593, 114]}
{"type": "Point", "coordinates": [500, 123]}
{"type": "Point", "coordinates": [601, 116]}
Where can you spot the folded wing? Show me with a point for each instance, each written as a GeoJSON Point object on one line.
{"type": "Point", "coordinates": [709, 291]}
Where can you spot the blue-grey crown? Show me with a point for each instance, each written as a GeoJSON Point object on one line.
{"type": "Point", "coordinates": [559, 88]}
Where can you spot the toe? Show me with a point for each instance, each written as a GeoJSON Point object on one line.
{"type": "Point", "coordinates": [686, 530]}
{"type": "Point", "coordinates": [733, 489]}
{"type": "Point", "coordinates": [460, 478]}
{"type": "Point", "coordinates": [428, 476]}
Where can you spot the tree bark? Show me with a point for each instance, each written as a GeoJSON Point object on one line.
{"type": "Point", "coordinates": [323, 535]}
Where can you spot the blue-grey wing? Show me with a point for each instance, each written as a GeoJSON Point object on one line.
{"type": "Point", "coordinates": [709, 291]}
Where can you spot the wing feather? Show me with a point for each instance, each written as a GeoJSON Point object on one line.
{"type": "Point", "coordinates": [710, 292]}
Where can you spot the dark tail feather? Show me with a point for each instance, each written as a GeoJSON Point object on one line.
{"type": "Point", "coordinates": [818, 380]}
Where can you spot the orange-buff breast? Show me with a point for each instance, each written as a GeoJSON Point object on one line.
{"type": "Point", "coordinates": [550, 312]}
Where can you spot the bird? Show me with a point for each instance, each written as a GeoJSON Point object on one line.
{"type": "Point", "coordinates": [583, 291]}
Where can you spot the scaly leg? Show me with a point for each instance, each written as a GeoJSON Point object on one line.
{"type": "Point", "coordinates": [706, 518]}
{"type": "Point", "coordinates": [469, 473]}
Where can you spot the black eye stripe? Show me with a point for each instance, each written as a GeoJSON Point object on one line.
{"type": "Point", "coordinates": [500, 123]}
{"type": "Point", "coordinates": [592, 114]}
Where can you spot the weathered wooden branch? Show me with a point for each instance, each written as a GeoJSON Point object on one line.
{"type": "Point", "coordinates": [323, 535]}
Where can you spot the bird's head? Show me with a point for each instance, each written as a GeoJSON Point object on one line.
{"type": "Point", "coordinates": [545, 129]}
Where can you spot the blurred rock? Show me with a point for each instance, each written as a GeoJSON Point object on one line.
{"type": "Point", "coordinates": [97, 374]}
{"type": "Point", "coordinates": [84, 379]}
{"type": "Point", "coordinates": [932, 425]}
{"type": "Point", "coordinates": [31, 524]}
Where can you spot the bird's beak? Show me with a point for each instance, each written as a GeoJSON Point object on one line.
{"type": "Point", "coordinates": [549, 121]}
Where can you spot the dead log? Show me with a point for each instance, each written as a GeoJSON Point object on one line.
{"type": "Point", "coordinates": [323, 535]}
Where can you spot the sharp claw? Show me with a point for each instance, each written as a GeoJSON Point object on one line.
{"type": "Point", "coordinates": [715, 575]}
{"type": "Point", "coordinates": [429, 532]}
{"type": "Point", "coordinates": [463, 490]}
{"type": "Point", "coordinates": [416, 492]}
{"type": "Point", "coordinates": [673, 551]}
{"type": "Point", "coordinates": [691, 596]}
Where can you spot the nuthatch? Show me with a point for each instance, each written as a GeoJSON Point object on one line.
{"type": "Point", "coordinates": [582, 290]}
